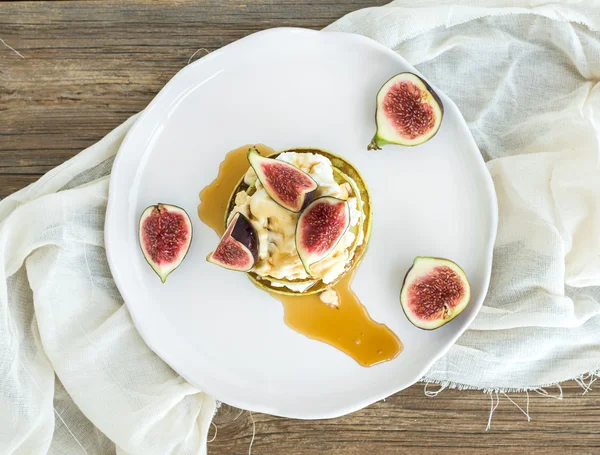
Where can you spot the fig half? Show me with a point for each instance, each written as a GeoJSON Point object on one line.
{"type": "Point", "coordinates": [434, 292]}
{"type": "Point", "coordinates": [238, 248]}
{"type": "Point", "coordinates": [287, 185]}
{"type": "Point", "coordinates": [320, 227]}
{"type": "Point", "coordinates": [165, 233]}
{"type": "Point", "coordinates": [408, 112]}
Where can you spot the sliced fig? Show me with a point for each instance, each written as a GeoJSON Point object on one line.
{"type": "Point", "coordinates": [408, 112]}
{"type": "Point", "coordinates": [320, 227]}
{"type": "Point", "coordinates": [434, 292]}
{"type": "Point", "coordinates": [165, 233]}
{"type": "Point", "coordinates": [238, 248]}
{"type": "Point", "coordinates": [287, 185]}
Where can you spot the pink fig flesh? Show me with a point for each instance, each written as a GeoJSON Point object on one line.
{"type": "Point", "coordinates": [435, 291]}
{"type": "Point", "coordinates": [238, 248]}
{"type": "Point", "coordinates": [403, 104]}
{"type": "Point", "coordinates": [165, 233]}
{"type": "Point", "coordinates": [320, 228]}
{"type": "Point", "coordinates": [287, 185]}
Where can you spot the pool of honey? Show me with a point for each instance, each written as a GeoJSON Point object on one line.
{"type": "Point", "coordinates": [348, 327]}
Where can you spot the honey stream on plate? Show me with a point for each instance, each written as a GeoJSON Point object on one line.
{"type": "Point", "coordinates": [347, 327]}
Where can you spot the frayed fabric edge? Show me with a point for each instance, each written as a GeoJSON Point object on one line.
{"type": "Point", "coordinates": [495, 393]}
{"type": "Point", "coordinates": [590, 376]}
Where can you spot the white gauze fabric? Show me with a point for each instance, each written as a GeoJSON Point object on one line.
{"type": "Point", "coordinates": [65, 333]}
{"type": "Point", "coordinates": [526, 81]}
{"type": "Point", "coordinates": [75, 377]}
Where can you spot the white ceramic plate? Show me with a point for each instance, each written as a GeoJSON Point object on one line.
{"type": "Point", "coordinates": [288, 88]}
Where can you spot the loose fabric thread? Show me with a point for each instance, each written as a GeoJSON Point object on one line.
{"type": "Point", "coordinates": [433, 393]}
{"type": "Point", "coordinates": [492, 409]}
{"type": "Point", "coordinates": [201, 49]}
{"type": "Point", "coordinates": [253, 433]}
{"type": "Point", "coordinates": [585, 381]}
{"type": "Point", "coordinates": [12, 48]}
{"type": "Point", "coordinates": [216, 431]}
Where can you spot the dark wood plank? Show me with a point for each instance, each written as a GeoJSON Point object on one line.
{"type": "Point", "coordinates": [90, 65]}
{"type": "Point", "coordinates": [454, 422]}
{"type": "Point", "coordinates": [9, 183]}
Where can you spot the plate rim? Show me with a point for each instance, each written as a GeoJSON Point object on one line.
{"type": "Point", "coordinates": [359, 403]}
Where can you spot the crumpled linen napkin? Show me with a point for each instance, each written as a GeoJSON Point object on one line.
{"type": "Point", "coordinates": [526, 81]}
{"type": "Point", "coordinates": [65, 333]}
{"type": "Point", "coordinates": [75, 377]}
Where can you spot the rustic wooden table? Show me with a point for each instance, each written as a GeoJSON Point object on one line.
{"type": "Point", "coordinates": [89, 65]}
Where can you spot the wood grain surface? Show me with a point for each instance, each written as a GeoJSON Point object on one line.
{"type": "Point", "coordinates": [89, 65]}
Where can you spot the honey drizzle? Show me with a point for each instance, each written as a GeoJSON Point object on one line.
{"type": "Point", "coordinates": [347, 327]}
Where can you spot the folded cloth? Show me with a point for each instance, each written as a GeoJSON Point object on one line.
{"type": "Point", "coordinates": [526, 81]}
{"type": "Point", "coordinates": [77, 378]}
{"type": "Point", "coordinates": [55, 280]}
